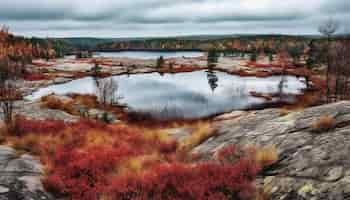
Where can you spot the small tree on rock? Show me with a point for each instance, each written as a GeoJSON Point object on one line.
{"type": "Point", "coordinates": [9, 94]}
{"type": "Point", "coordinates": [107, 91]}
{"type": "Point", "coordinates": [160, 62]}
{"type": "Point", "coordinates": [96, 69]}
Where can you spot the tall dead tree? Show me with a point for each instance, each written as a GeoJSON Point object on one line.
{"type": "Point", "coordinates": [340, 68]}
{"type": "Point", "coordinates": [283, 59]}
{"type": "Point", "coordinates": [328, 28]}
{"type": "Point", "coordinates": [107, 91]}
{"type": "Point", "coordinates": [9, 94]}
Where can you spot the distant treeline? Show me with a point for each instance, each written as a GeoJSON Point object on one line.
{"type": "Point", "coordinates": [248, 43]}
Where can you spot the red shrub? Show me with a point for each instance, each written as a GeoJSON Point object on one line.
{"type": "Point", "coordinates": [36, 77]}
{"type": "Point", "coordinates": [85, 175]}
{"type": "Point", "coordinates": [23, 126]}
{"type": "Point", "coordinates": [80, 170]}
{"type": "Point", "coordinates": [180, 181]}
{"type": "Point", "coordinates": [40, 64]}
{"type": "Point", "coordinates": [168, 147]}
{"type": "Point", "coordinates": [90, 174]}
{"type": "Point", "coordinates": [86, 124]}
{"type": "Point", "coordinates": [261, 65]}
{"type": "Point", "coordinates": [226, 153]}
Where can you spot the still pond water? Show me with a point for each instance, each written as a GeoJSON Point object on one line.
{"type": "Point", "coordinates": [149, 54]}
{"type": "Point", "coordinates": [190, 95]}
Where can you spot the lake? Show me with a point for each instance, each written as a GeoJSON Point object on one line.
{"type": "Point", "coordinates": [149, 54]}
{"type": "Point", "coordinates": [191, 95]}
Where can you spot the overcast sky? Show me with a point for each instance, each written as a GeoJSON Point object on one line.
{"type": "Point", "coordinates": [138, 18]}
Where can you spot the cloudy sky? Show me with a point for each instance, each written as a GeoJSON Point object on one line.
{"type": "Point", "coordinates": [138, 18]}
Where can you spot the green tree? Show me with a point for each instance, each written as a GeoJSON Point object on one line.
{"type": "Point", "coordinates": [296, 52]}
{"type": "Point", "coordinates": [253, 57]}
{"type": "Point", "coordinates": [160, 62]}
{"type": "Point", "coordinates": [96, 70]}
{"type": "Point", "coordinates": [213, 57]}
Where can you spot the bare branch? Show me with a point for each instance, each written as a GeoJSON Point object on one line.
{"type": "Point", "coordinates": [328, 27]}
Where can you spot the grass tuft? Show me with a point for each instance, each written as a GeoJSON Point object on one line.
{"type": "Point", "coordinates": [323, 124]}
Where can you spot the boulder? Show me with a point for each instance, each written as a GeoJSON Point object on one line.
{"type": "Point", "coordinates": [310, 165]}
{"type": "Point", "coordinates": [20, 177]}
{"type": "Point", "coordinates": [34, 110]}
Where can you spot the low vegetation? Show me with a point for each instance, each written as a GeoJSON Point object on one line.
{"type": "Point", "coordinates": [323, 124]}
{"type": "Point", "coordinates": [202, 132]}
{"type": "Point", "coordinates": [53, 102]}
{"type": "Point", "coordinates": [90, 160]}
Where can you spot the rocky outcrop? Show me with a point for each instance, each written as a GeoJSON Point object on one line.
{"type": "Point", "coordinates": [35, 110]}
{"type": "Point", "coordinates": [312, 165]}
{"type": "Point", "coordinates": [20, 177]}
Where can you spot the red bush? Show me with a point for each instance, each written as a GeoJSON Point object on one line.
{"type": "Point", "coordinates": [225, 154]}
{"type": "Point", "coordinates": [85, 170]}
{"type": "Point", "coordinates": [168, 147]}
{"type": "Point", "coordinates": [91, 174]}
{"type": "Point", "coordinates": [41, 64]}
{"type": "Point", "coordinates": [36, 77]}
{"type": "Point", "coordinates": [23, 126]}
{"type": "Point", "coordinates": [85, 175]}
{"type": "Point", "coordinates": [180, 181]}
{"type": "Point", "coordinates": [86, 124]}
{"type": "Point", "coordinates": [261, 65]}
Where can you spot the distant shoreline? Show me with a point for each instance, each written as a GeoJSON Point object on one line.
{"type": "Point", "coordinates": [149, 50]}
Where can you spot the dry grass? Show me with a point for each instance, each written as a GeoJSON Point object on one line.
{"type": "Point", "coordinates": [305, 100]}
{"type": "Point", "coordinates": [90, 101]}
{"type": "Point", "coordinates": [202, 132]}
{"type": "Point", "coordinates": [263, 156]}
{"type": "Point", "coordinates": [52, 102]}
{"type": "Point", "coordinates": [95, 138]}
{"type": "Point", "coordinates": [323, 124]}
{"type": "Point", "coordinates": [284, 112]}
{"type": "Point", "coordinates": [266, 155]}
{"type": "Point", "coordinates": [139, 165]}
{"type": "Point", "coordinates": [55, 103]}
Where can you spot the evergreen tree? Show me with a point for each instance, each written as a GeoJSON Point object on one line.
{"type": "Point", "coordinates": [213, 57]}
{"type": "Point", "coordinates": [253, 57]}
{"type": "Point", "coordinates": [160, 62]}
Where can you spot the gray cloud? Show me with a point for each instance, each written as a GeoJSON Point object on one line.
{"type": "Point", "coordinates": [117, 18]}
{"type": "Point", "coordinates": [336, 7]}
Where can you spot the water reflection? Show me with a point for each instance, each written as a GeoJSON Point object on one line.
{"type": "Point", "coordinates": [212, 79]}
{"type": "Point", "coordinates": [148, 54]}
{"type": "Point", "coordinates": [184, 95]}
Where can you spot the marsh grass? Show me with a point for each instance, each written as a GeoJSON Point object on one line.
{"type": "Point", "coordinates": [202, 131]}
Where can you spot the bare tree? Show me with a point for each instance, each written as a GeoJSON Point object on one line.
{"type": "Point", "coordinates": [283, 59]}
{"type": "Point", "coordinates": [328, 28]}
{"type": "Point", "coordinates": [340, 62]}
{"type": "Point", "coordinates": [9, 93]}
{"type": "Point", "coordinates": [107, 91]}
